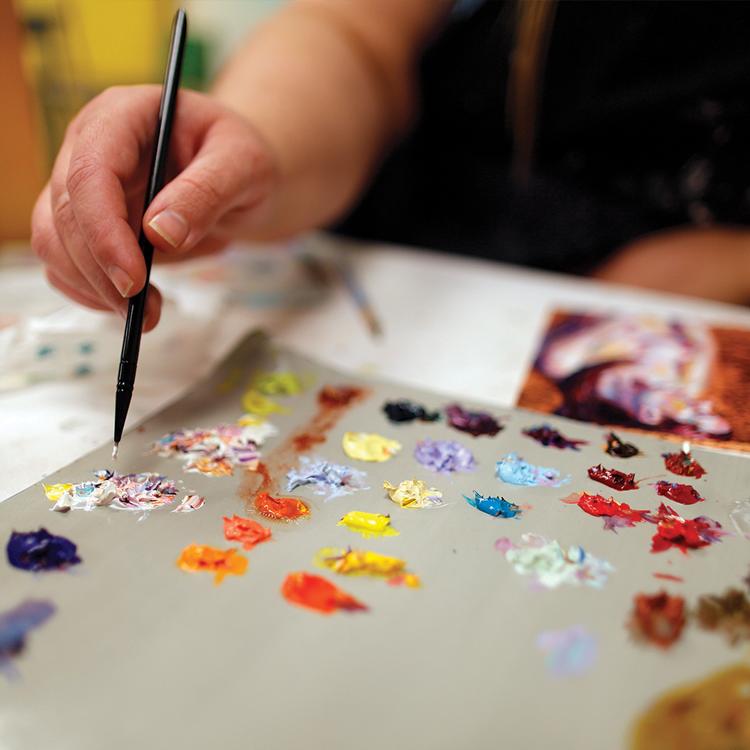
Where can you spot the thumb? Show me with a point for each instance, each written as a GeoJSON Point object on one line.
{"type": "Point", "coordinates": [222, 177]}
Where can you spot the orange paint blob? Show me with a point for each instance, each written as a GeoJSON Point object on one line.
{"type": "Point", "coordinates": [314, 592]}
{"type": "Point", "coordinates": [339, 395]}
{"type": "Point", "coordinates": [222, 562]}
{"type": "Point", "coordinates": [245, 531]}
{"type": "Point", "coordinates": [280, 508]}
{"type": "Point", "coordinates": [658, 618]}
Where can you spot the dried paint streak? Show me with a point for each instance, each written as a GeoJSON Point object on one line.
{"type": "Point", "coordinates": [15, 625]}
{"type": "Point", "coordinates": [444, 456]}
{"type": "Point", "coordinates": [221, 562]}
{"type": "Point", "coordinates": [413, 493]}
{"type": "Point", "coordinates": [658, 619]}
{"type": "Point", "coordinates": [548, 436]}
{"type": "Point", "coordinates": [280, 508]}
{"type": "Point", "coordinates": [316, 593]}
{"type": "Point", "coordinates": [679, 493]}
{"type": "Point", "coordinates": [669, 577]}
{"type": "Point", "coordinates": [710, 713]}
{"type": "Point", "coordinates": [512, 469]}
{"type": "Point", "coordinates": [568, 653]}
{"type": "Point", "coordinates": [550, 566]}
{"type": "Point", "coordinates": [247, 532]}
{"type": "Point", "coordinates": [404, 410]}
{"type": "Point", "coordinates": [40, 550]}
{"type": "Point", "coordinates": [476, 423]}
{"type": "Point", "coordinates": [133, 492]}
{"type": "Point", "coordinates": [369, 446]}
{"type": "Point", "coordinates": [216, 451]}
{"type": "Point", "coordinates": [683, 464]}
{"type": "Point", "coordinates": [493, 506]}
{"type": "Point", "coordinates": [368, 524]}
{"type": "Point", "coordinates": [333, 403]}
{"type": "Point", "coordinates": [727, 613]}
{"type": "Point", "coordinates": [617, 480]}
{"type": "Point", "coordinates": [616, 515]}
{"type": "Point", "coordinates": [329, 479]}
{"type": "Point", "coordinates": [365, 563]}
{"type": "Point", "coordinates": [672, 530]}
{"type": "Point", "coordinates": [616, 447]}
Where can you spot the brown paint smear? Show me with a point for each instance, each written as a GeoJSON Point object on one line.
{"type": "Point", "coordinates": [711, 713]}
{"type": "Point", "coordinates": [333, 403]}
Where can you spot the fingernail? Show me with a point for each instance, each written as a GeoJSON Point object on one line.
{"type": "Point", "coordinates": [120, 279]}
{"type": "Point", "coordinates": [171, 226]}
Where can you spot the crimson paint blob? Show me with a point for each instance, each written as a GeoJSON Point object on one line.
{"type": "Point", "coordinates": [672, 530]}
{"type": "Point", "coordinates": [316, 593]}
{"type": "Point", "coordinates": [549, 437]}
{"type": "Point", "coordinates": [617, 480]}
{"type": "Point", "coordinates": [683, 464]}
{"type": "Point", "coordinates": [679, 493]}
{"type": "Point", "coordinates": [616, 515]}
{"type": "Point", "coordinates": [658, 619]}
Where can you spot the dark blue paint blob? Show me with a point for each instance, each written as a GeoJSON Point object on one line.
{"type": "Point", "coordinates": [404, 410]}
{"type": "Point", "coordinates": [40, 550]}
{"type": "Point", "coordinates": [16, 623]}
{"type": "Point", "coordinates": [494, 506]}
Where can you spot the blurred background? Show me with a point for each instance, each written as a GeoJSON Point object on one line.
{"type": "Point", "coordinates": [55, 55]}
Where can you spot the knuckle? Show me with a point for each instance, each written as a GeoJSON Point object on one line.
{"type": "Point", "coordinates": [204, 189]}
{"type": "Point", "coordinates": [80, 172]}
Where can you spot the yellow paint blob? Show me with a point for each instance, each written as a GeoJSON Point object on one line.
{"type": "Point", "coordinates": [710, 713]}
{"type": "Point", "coordinates": [259, 405]}
{"type": "Point", "coordinates": [55, 491]}
{"type": "Point", "coordinates": [413, 493]}
{"type": "Point", "coordinates": [278, 383]}
{"type": "Point", "coordinates": [250, 420]}
{"type": "Point", "coordinates": [368, 524]}
{"type": "Point", "coordinates": [368, 446]}
{"type": "Point", "coordinates": [365, 563]}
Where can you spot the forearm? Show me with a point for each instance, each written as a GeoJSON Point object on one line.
{"type": "Point", "coordinates": [329, 85]}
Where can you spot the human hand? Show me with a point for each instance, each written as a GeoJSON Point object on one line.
{"type": "Point", "coordinates": [86, 221]}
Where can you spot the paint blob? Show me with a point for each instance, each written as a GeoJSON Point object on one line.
{"type": "Point", "coordinates": [404, 410]}
{"type": "Point", "coordinates": [254, 402]}
{"type": "Point", "coordinates": [216, 451]}
{"type": "Point", "coordinates": [134, 492]}
{"type": "Point", "coordinates": [548, 436]}
{"type": "Point", "coordinates": [493, 506]}
{"type": "Point", "coordinates": [190, 503]}
{"type": "Point", "coordinates": [512, 469]}
{"type": "Point", "coordinates": [368, 524]}
{"type": "Point", "coordinates": [245, 531]}
{"type": "Point", "coordinates": [340, 395]}
{"type": "Point", "coordinates": [616, 447]}
{"type": "Point", "coordinates": [549, 565]}
{"type": "Point", "coordinates": [316, 593]}
{"type": "Point", "coordinates": [727, 613]}
{"type": "Point", "coordinates": [674, 531]}
{"type": "Point", "coordinates": [710, 713]}
{"type": "Point", "coordinates": [279, 383]}
{"type": "Point", "coordinates": [669, 577]}
{"type": "Point", "coordinates": [280, 508]}
{"type": "Point", "coordinates": [616, 515]}
{"type": "Point", "coordinates": [658, 619]}
{"type": "Point", "coordinates": [444, 456]}
{"type": "Point", "coordinates": [413, 493]}
{"type": "Point", "coordinates": [366, 563]}
{"type": "Point", "coordinates": [329, 479]}
{"type": "Point", "coordinates": [568, 653]}
{"type": "Point", "coordinates": [40, 550]}
{"type": "Point", "coordinates": [679, 493]}
{"type": "Point", "coordinates": [683, 464]}
{"type": "Point", "coordinates": [369, 446]}
{"type": "Point", "coordinates": [617, 480]}
{"type": "Point", "coordinates": [221, 562]}
{"type": "Point", "coordinates": [15, 625]}
{"type": "Point", "coordinates": [476, 423]}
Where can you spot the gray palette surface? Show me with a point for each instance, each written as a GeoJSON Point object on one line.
{"type": "Point", "coordinates": [141, 654]}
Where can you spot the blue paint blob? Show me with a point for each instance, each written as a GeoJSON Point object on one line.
{"type": "Point", "coordinates": [16, 623]}
{"type": "Point", "coordinates": [86, 347]}
{"type": "Point", "coordinates": [514, 470]}
{"type": "Point", "coordinates": [493, 506]}
{"type": "Point", "coordinates": [44, 351]}
{"type": "Point", "coordinates": [40, 550]}
{"type": "Point", "coordinates": [82, 370]}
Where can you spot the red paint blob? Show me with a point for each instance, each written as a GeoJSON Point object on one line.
{"type": "Point", "coordinates": [280, 508]}
{"type": "Point", "coordinates": [245, 531]}
{"type": "Point", "coordinates": [674, 531]}
{"type": "Point", "coordinates": [669, 577]}
{"type": "Point", "coordinates": [679, 493]}
{"type": "Point", "coordinates": [315, 592]}
{"type": "Point", "coordinates": [615, 514]}
{"type": "Point", "coordinates": [305, 441]}
{"type": "Point", "coordinates": [683, 464]}
{"type": "Point", "coordinates": [658, 618]}
{"type": "Point", "coordinates": [339, 395]}
{"type": "Point", "coordinates": [617, 480]}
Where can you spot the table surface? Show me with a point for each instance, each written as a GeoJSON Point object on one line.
{"type": "Point", "coordinates": [452, 325]}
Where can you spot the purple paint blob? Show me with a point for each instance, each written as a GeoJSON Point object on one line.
{"type": "Point", "coordinates": [16, 623]}
{"type": "Point", "coordinates": [444, 456]}
{"type": "Point", "coordinates": [476, 423]}
{"type": "Point", "coordinates": [40, 550]}
{"type": "Point", "coordinates": [569, 652]}
{"type": "Point", "coordinates": [548, 436]}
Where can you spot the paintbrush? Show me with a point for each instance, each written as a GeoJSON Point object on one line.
{"type": "Point", "coordinates": [131, 342]}
{"type": "Point", "coordinates": [357, 292]}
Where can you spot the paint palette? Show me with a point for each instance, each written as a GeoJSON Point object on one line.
{"type": "Point", "coordinates": [462, 605]}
